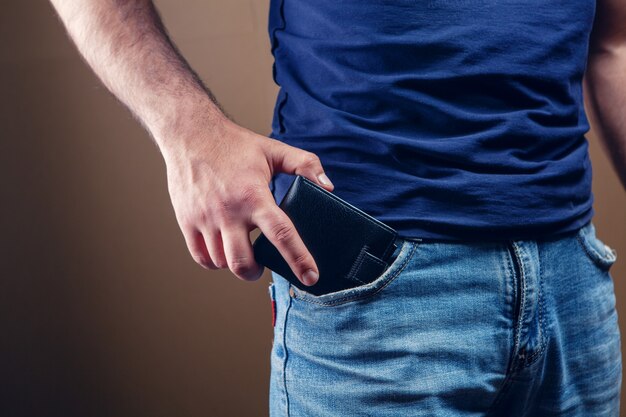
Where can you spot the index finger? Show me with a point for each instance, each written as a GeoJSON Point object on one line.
{"type": "Point", "coordinates": [280, 231]}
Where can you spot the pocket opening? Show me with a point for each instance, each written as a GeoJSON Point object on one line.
{"type": "Point", "coordinates": [601, 254]}
{"type": "Point", "coordinates": [397, 264]}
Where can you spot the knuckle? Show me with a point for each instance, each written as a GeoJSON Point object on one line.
{"type": "Point", "coordinates": [196, 217]}
{"type": "Point", "coordinates": [282, 231]}
{"type": "Point", "coordinates": [202, 260]}
{"type": "Point", "coordinates": [222, 206]}
{"type": "Point", "coordinates": [240, 266]}
{"type": "Point", "coordinates": [188, 222]}
{"type": "Point", "coordinates": [185, 220]}
{"type": "Point", "coordinates": [311, 160]}
{"type": "Point", "coordinates": [196, 255]}
{"type": "Point", "coordinates": [266, 213]}
{"type": "Point", "coordinates": [230, 206]}
{"type": "Point", "coordinates": [250, 194]}
{"type": "Point", "coordinates": [301, 260]}
{"type": "Point", "coordinates": [203, 217]}
{"type": "Point", "coordinates": [225, 211]}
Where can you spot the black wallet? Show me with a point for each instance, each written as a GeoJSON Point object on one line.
{"type": "Point", "coordinates": [350, 247]}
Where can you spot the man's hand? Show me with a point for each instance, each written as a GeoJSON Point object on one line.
{"type": "Point", "coordinates": [218, 173]}
{"type": "Point", "coordinates": [218, 183]}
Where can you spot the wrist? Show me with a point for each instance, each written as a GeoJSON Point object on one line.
{"type": "Point", "coordinates": [188, 124]}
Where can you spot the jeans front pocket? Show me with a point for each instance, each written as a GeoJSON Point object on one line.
{"type": "Point", "coordinates": [404, 254]}
{"type": "Point", "coordinates": [602, 255]}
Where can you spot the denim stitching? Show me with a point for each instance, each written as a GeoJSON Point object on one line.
{"type": "Point", "coordinates": [516, 309]}
{"type": "Point", "coordinates": [521, 294]}
{"type": "Point", "coordinates": [286, 357]}
{"type": "Point", "coordinates": [506, 383]}
{"type": "Point", "coordinates": [522, 305]}
{"type": "Point", "coordinates": [350, 298]}
{"type": "Point", "coordinates": [596, 257]}
{"type": "Point", "coordinates": [542, 316]}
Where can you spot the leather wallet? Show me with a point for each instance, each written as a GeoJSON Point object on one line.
{"type": "Point", "coordinates": [350, 247]}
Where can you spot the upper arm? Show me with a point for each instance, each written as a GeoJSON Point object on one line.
{"type": "Point", "coordinates": [609, 27]}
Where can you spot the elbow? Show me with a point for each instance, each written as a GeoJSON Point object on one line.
{"type": "Point", "coordinates": [607, 59]}
{"type": "Point", "coordinates": [608, 47]}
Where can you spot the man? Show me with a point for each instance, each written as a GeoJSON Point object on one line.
{"type": "Point", "coordinates": [458, 123]}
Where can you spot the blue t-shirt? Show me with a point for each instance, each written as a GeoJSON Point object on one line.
{"type": "Point", "coordinates": [447, 119]}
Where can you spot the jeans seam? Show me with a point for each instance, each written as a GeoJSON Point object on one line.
{"type": "Point", "coordinates": [519, 286]}
{"type": "Point", "coordinates": [286, 357]}
{"type": "Point", "coordinates": [542, 317]}
{"type": "Point", "coordinates": [526, 361]}
{"type": "Point", "coordinates": [521, 308]}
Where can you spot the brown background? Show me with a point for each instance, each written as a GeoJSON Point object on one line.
{"type": "Point", "coordinates": [102, 310]}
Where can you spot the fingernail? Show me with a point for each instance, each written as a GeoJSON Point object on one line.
{"type": "Point", "coordinates": [310, 277]}
{"type": "Point", "coordinates": [324, 179]}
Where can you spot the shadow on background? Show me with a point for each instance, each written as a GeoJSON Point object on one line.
{"type": "Point", "coordinates": [103, 311]}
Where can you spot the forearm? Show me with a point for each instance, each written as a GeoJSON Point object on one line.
{"type": "Point", "coordinates": [125, 43]}
{"type": "Point", "coordinates": [605, 98]}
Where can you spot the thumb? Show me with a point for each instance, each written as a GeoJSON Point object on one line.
{"type": "Point", "coordinates": [296, 161]}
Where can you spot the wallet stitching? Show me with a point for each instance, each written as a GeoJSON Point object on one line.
{"type": "Point", "coordinates": [350, 298]}
{"type": "Point", "coordinates": [352, 275]}
{"type": "Point", "coordinates": [372, 258]}
{"type": "Point", "coordinates": [385, 228]}
{"type": "Point", "coordinates": [357, 264]}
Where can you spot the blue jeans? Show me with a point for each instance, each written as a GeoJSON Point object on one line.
{"type": "Point", "coordinates": [489, 328]}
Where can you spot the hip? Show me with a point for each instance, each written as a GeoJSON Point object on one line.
{"type": "Point", "coordinates": [455, 328]}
